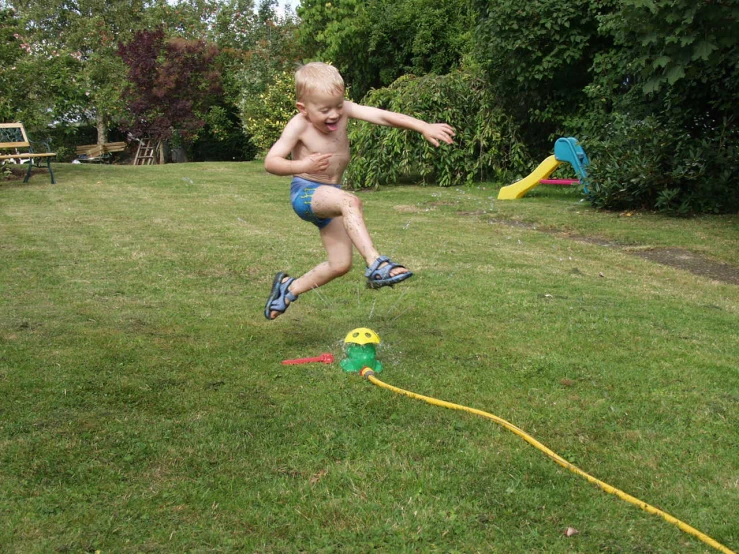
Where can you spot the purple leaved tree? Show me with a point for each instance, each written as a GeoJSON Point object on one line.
{"type": "Point", "coordinates": [171, 83]}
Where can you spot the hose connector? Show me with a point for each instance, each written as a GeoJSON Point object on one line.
{"type": "Point", "coordinates": [367, 372]}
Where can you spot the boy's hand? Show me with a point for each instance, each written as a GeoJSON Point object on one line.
{"type": "Point", "coordinates": [435, 132]}
{"type": "Point", "coordinates": [316, 163]}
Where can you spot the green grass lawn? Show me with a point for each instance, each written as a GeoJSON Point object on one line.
{"type": "Point", "coordinates": [144, 406]}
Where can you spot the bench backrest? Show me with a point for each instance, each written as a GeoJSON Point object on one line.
{"type": "Point", "coordinates": [115, 146]}
{"type": "Point", "coordinates": [91, 151]}
{"type": "Point", "coordinates": [13, 135]}
{"type": "Point", "coordinates": [94, 150]}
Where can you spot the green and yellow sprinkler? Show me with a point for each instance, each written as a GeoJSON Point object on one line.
{"type": "Point", "coordinates": [360, 347]}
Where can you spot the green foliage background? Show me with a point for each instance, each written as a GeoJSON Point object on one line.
{"type": "Point", "coordinates": [537, 57]}
{"type": "Point", "coordinates": [600, 70]}
{"type": "Point", "coordinates": [486, 143]}
{"type": "Point", "coordinates": [673, 69]}
{"type": "Point", "coordinates": [266, 114]}
{"type": "Point", "coordinates": [374, 42]}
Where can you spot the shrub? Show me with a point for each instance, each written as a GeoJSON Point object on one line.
{"type": "Point", "coordinates": [222, 138]}
{"type": "Point", "coordinates": [486, 143]}
{"type": "Point", "coordinates": [643, 163]}
{"type": "Point", "coordinates": [265, 115]}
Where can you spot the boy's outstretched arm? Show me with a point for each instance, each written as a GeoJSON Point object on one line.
{"type": "Point", "coordinates": [277, 161]}
{"type": "Point", "coordinates": [432, 132]}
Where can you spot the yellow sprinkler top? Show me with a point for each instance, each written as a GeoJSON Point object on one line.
{"type": "Point", "coordinates": [362, 335]}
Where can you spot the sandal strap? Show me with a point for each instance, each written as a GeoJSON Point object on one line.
{"type": "Point", "coordinates": [278, 303]}
{"type": "Point", "coordinates": [286, 293]}
{"type": "Point", "coordinates": [376, 265]}
{"type": "Point", "coordinates": [280, 297]}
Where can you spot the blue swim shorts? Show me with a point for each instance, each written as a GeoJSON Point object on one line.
{"type": "Point", "coordinates": [301, 197]}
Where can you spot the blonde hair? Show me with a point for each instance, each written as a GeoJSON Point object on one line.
{"type": "Point", "coordinates": [317, 77]}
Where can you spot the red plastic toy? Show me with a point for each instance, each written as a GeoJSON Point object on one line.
{"type": "Point", "coordinates": [325, 358]}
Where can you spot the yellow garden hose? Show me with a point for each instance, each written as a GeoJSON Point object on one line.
{"type": "Point", "coordinates": [368, 374]}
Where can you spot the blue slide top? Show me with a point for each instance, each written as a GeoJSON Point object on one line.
{"type": "Point", "coordinates": [569, 150]}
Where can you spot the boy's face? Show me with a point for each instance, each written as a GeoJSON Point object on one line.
{"type": "Point", "coordinates": [323, 109]}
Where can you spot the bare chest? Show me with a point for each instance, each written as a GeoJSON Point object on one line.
{"type": "Point", "coordinates": [313, 141]}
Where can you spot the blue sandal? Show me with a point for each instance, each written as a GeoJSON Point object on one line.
{"type": "Point", "coordinates": [378, 275]}
{"type": "Point", "coordinates": [279, 295]}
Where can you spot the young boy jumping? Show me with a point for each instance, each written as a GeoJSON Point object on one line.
{"type": "Point", "coordinates": [315, 141]}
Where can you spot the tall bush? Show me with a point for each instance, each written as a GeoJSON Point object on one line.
{"type": "Point", "coordinates": [663, 114]}
{"type": "Point", "coordinates": [485, 145]}
{"type": "Point", "coordinates": [265, 115]}
{"type": "Point", "coordinates": [643, 163]}
{"type": "Point", "coordinates": [537, 55]}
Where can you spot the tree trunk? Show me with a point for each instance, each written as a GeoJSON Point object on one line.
{"type": "Point", "coordinates": [102, 129]}
{"type": "Point", "coordinates": [163, 151]}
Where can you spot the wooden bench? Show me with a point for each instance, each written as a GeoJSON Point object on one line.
{"type": "Point", "coordinates": [92, 153]}
{"type": "Point", "coordinates": [13, 138]}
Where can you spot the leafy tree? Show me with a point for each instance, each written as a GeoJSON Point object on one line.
{"type": "Point", "coordinates": [537, 56]}
{"type": "Point", "coordinates": [170, 84]}
{"type": "Point", "coordinates": [90, 71]}
{"type": "Point", "coordinates": [14, 85]}
{"type": "Point", "coordinates": [680, 54]}
{"type": "Point", "coordinates": [273, 49]}
{"type": "Point", "coordinates": [36, 80]}
{"type": "Point", "coordinates": [373, 42]}
{"type": "Point", "coordinates": [233, 26]}
{"type": "Point", "coordinates": [266, 95]}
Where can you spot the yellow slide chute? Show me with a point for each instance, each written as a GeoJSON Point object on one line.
{"type": "Point", "coordinates": [519, 188]}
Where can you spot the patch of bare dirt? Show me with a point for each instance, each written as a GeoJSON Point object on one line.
{"type": "Point", "coordinates": [678, 258]}
{"type": "Point", "coordinates": [17, 172]}
{"type": "Point", "coordinates": [689, 261]}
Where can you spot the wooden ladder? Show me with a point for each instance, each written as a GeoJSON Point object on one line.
{"type": "Point", "coordinates": [146, 152]}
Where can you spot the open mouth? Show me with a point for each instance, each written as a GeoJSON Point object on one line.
{"type": "Point", "coordinates": [331, 126]}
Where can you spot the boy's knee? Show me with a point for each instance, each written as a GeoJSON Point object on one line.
{"type": "Point", "coordinates": [341, 268]}
{"type": "Point", "coordinates": [353, 201]}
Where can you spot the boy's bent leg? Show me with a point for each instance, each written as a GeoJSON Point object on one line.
{"type": "Point", "coordinates": [332, 202]}
{"type": "Point", "coordinates": [338, 247]}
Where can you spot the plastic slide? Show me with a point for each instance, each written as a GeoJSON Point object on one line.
{"type": "Point", "coordinates": [520, 188]}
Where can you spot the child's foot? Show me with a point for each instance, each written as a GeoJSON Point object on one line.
{"type": "Point", "coordinates": [383, 272]}
{"type": "Point", "coordinates": [279, 297]}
